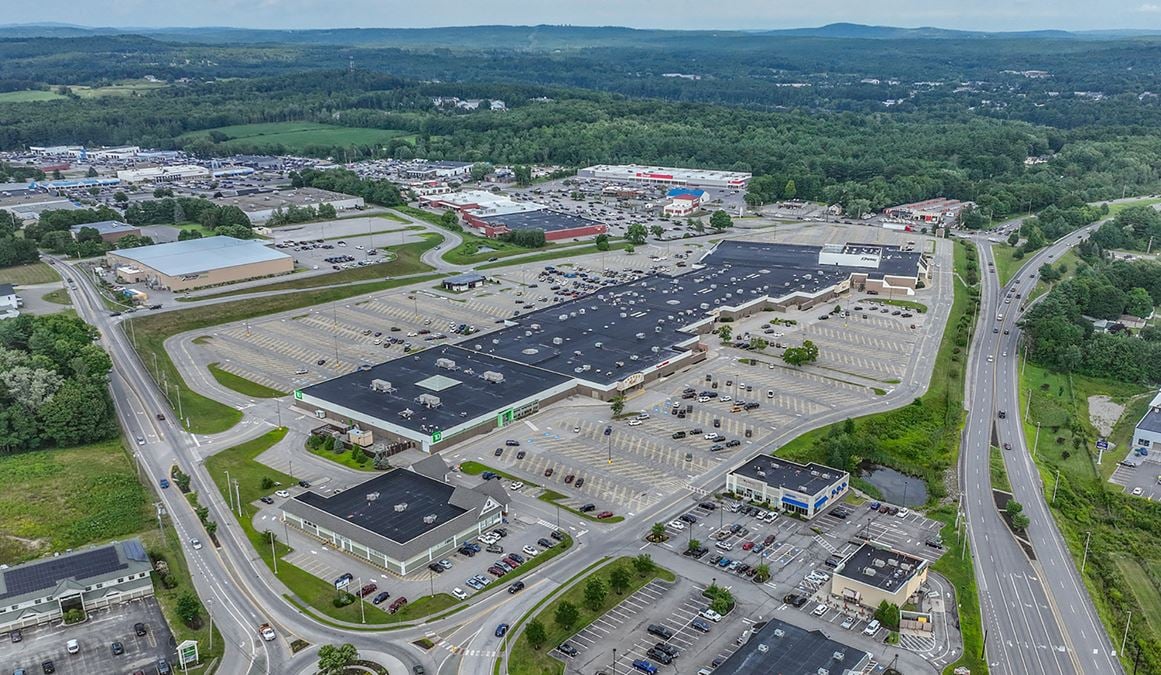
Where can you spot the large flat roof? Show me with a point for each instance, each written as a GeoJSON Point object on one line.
{"type": "Point", "coordinates": [402, 507]}
{"type": "Point", "coordinates": [463, 392]}
{"type": "Point", "coordinates": [541, 219]}
{"type": "Point", "coordinates": [1151, 421]}
{"type": "Point", "coordinates": [199, 255]}
{"type": "Point", "coordinates": [782, 473]}
{"type": "Point", "coordinates": [786, 649]}
{"type": "Point", "coordinates": [105, 227]}
{"type": "Point", "coordinates": [884, 569]}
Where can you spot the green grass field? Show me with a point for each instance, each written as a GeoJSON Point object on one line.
{"type": "Point", "coordinates": [24, 275]}
{"type": "Point", "coordinates": [29, 96]}
{"type": "Point", "coordinates": [242, 385]}
{"type": "Point", "coordinates": [1146, 594]}
{"type": "Point", "coordinates": [64, 498]}
{"type": "Point", "coordinates": [60, 296]}
{"type": "Point", "coordinates": [556, 253]}
{"type": "Point", "coordinates": [295, 136]}
{"type": "Point", "coordinates": [1006, 264]}
{"type": "Point", "coordinates": [525, 660]}
{"type": "Point", "coordinates": [344, 459]}
{"type": "Point", "coordinates": [407, 261]}
{"type": "Point", "coordinates": [1114, 209]}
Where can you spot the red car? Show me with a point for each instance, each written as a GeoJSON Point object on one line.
{"type": "Point", "coordinates": [368, 590]}
{"type": "Point", "coordinates": [605, 514]}
{"type": "Point", "coordinates": [512, 561]}
{"type": "Point", "coordinates": [548, 472]}
{"type": "Point", "coordinates": [568, 479]}
{"type": "Point", "coordinates": [747, 546]}
{"type": "Point", "coordinates": [397, 605]}
{"type": "Point", "coordinates": [497, 571]}
{"type": "Point", "coordinates": [769, 540]}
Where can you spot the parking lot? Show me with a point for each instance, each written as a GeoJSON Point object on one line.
{"type": "Point", "coordinates": [322, 561]}
{"type": "Point", "coordinates": [1139, 476]}
{"type": "Point", "coordinates": [95, 637]}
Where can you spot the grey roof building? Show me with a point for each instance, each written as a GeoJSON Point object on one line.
{"type": "Point", "coordinates": [786, 649]}
{"type": "Point", "coordinates": [403, 519]}
{"type": "Point", "coordinates": [41, 590]}
{"type": "Point", "coordinates": [806, 489]}
{"type": "Point", "coordinates": [110, 230]}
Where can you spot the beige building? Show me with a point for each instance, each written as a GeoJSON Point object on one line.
{"type": "Point", "coordinates": [197, 263]}
{"type": "Point", "coordinates": [872, 574]}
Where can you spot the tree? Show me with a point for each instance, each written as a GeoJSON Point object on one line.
{"type": "Point", "coordinates": [595, 593]}
{"type": "Point", "coordinates": [185, 235]}
{"type": "Point", "coordinates": [657, 231]}
{"type": "Point", "coordinates": [479, 170]}
{"type": "Point", "coordinates": [211, 527]}
{"type": "Point", "coordinates": [758, 343]}
{"type": "Point", "coordinates": [92, 172]}
{"type": "Point", "coordinates": [602, 242]}
{"type": "Point", "coordinates": [1014, 507]}
{"type": "Point", "coordinates": [643, 564]}
{"type": "Point", "coordinates": [536, 633]}
{"type": "Point", "coordinates": [617, 404]}
{"type": "Point", "coordinates": [189, 609]}
{"type": "Point", "coordinates": [657, 532]}
{"type": "Point", "coordinates": [161, 192]}
{"type": "Point", "coordinates": [326, 211]}
{"type": "Point", "coordinates": [450, 220]}
{"type": "Point", "coordinates": [694, 544]}
{"type": "Point", "coordinates": [790, 191]}
{"type": "Point", "coordinates": [720, 220]}
{"type": "Point", "coordinates": [725, 331]}
{"type": "Point", "coordinates": [334, 659]}
{"type": "Point", "coordinates": [629, 249]}
{"type": "Point", "coordinates": [120, 197]}
{"type": "Point", "coordinates": [566, 615]}
{"type": "Point", "coordinates": [1020, 522]}
{"type": "Point", "coordinates": [888, 615]}
{"type": "Point", "coordinates": [523, 174]}
{"type": "Point", "coordinates": [1013, 238]}
{"type": "Point", "coordinates": [619, 579]}
{"type": "Point", "coordinates": [636, 234]}
{"type": "Point", "coordinates": [797, 356]}
{"type": "Point", "coordinates": [762, 573]}
{"type": "Point", "coordinates": [1138, 302]}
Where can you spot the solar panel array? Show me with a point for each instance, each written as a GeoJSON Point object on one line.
{"type": "Point", "coordinates": [46, 574]}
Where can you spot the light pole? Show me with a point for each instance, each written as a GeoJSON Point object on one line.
{"type": "Point", "coordinates": [1055, 487]}
{"type": "Point", "coordinates": [210, 611]}
{"type": "Point", "coordinates": [1084, 560]}
{"type": "Point", "coordinates": [229, 491]}
{"type": "Point", "coordinates": [1036, 443]}
{"type": "Point", "coordinates": [614, 661]}
{"type": "Point", "coordinates": [1126, 636]}
{"type": "Point", "coordinates": [273, 553]}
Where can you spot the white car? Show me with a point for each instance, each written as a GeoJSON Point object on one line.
{"type": "Point", "coordinates": [516, 485]}
{"type": "Point", "coordinates": [848, 622]}
{"type": "Point", "coordinates": [710, 614]}
{"type": "Point", "coordinates": [459, 593]}
{"type": "Point", "coordinates": [677, 524]}
{"type": "Point", "coordinates": [489, 538]}
{"type": "Point", "coordinates": [634, 423]}
{"type": "Point", "coordinates": [643, 416]}
{"type": "Point", "coordinates": [1137, 492]}
{"type": "Point", "coordinates": [902, 513]}
{"type": "Point", "coordinates": [72, 646]}
{"type": "Point", "coordinates": [711, 435]}
{"type": "Point", "coordinates": [872, 627]}
{"type": "Point", "coordinates": [819, 610]}
{"type": "Point", "coordinates": [777, 334]}
{"type": "Point", "coordinates": [576, 430]}
{"type": "Point", "coordinates": [530, 551]}
{"type": "Point", "coordinates": [196, 544]}
{"type": "Point", "coordinates": [725, 399]}
{"type": "Point", "coordinates": [703, 399]}
{"type": "Point", "coordinates": [282, 493]}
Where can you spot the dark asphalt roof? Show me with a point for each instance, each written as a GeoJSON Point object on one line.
{"type": "Point", "coordinates": [1150, 422]}
{"type": "Point", "coordinates": [891, 569]}
{"type": "Point", "coordinates": [424, 497]}
{"type": "Point", "coordinates": [543, 219]}
{"type": "Point", "coordinates": [464, 394]}
{"type": "Point", "coordinates": [7, 289]}
{"type": "Point", "coordinates": [41, 576]}
{"type": "Point", "coordinates": [465, 278]}
{"type": "Point", "coordinates": [786, 649]}
{"type": "Point", "coordinates": [806, 478]}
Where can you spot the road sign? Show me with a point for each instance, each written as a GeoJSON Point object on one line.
{"type": "Point", "coordinates": [1102, 444]}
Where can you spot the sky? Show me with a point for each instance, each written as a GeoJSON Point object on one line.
{"type": "Point", "coordinates": [993, 15]}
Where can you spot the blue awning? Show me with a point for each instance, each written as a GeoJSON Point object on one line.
{"type": "Point", "coordinates": [793, 502]}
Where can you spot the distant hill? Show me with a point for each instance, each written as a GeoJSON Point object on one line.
{"type": "Point", "coordinates": [542, 38]}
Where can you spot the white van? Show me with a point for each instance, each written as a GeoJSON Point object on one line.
{"type": "Point", "coordinates": [872, 627]}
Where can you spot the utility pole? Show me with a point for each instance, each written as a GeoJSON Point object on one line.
{"type": "Point", "coordinates": [1126, 637]}
{"type": "Point", "coordinates": [273, 553]}
{"type": "Point", "coordinates": [1028, 404]}
{"type": "Point", "coordinates": [229, 491]}
{"type": "Point", "coordinates": [278, 408]}
{"type": "Point", "coordinates": [238, 498]}
{"type": "Point", "coordinates": [1084, 560]}
{"type": "Point", "coordinates": [1036, 443]}
{"type": "Point", "coordinates": [1055, 487]}
{"type": "Point", "coordinates": [210, 611]}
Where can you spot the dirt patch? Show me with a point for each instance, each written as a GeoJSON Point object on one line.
{"type": "Point", "coordinates": [1104, 413]}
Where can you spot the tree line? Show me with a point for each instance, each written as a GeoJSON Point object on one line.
{"type": "Point", "coordinates": [52, 383]}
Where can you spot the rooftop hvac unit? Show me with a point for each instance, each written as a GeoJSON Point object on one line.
{"type": "Point", "coordinates": [823, 671]}
{"type": "Point", "coordinates": [402, 506]}
{"type": "Point", "coordinates": [527, 333]}
{"type": "Point", "coordinates": [535, 326]}
{"type": "Point", "coordinates": [429, 519]}
{"type": "Point", "coordinates": [581, 310]}
{"type": "Point", "coordinates": [495, 341]}
{"type": "Point", "coordinates": [838, 656]}
{"type": "Point", "coordinates": [598, 344]}
{"type": "Point", "coordinates": [562, 317]}
{"type": "Point", "coordinates": [624, 315]}
{"type": "Point", "coordinates": [406, 413]}
{"type": "Point", "coordinates": [640, 336]}
{"type": "Point", "coordinates": [879, 562]}
{"type": "Point", "coordinates": [445, 363]}
{"type": "Point", "coordinates": [429, 400]}
{"type": "Point", "coordinates": [657, 329]}
{"type": "Point", "coordinates": [380, 385]}
{"type": "Point", "coordinates": [763, 648]}
{"type": "Point", "coordinates": [761, 473]}
{"type": "Point", "coordinates": [655, 349]}
{"type": "Point", "coordinates": [372, 496]}
{"type": "Point", "coordinates": [634, 357]}
{"type": "Point", "coordinates": [778, 632]}
{"type": "Point", "coordinates": [869, 571]}
{"type": "Point", "coordinates": [493, 377]}
{"type": "Point", "coordinates": [586, 367]}
{"type": "Point", "coordinates": [557, 340]}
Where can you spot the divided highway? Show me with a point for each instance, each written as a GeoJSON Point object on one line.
{"type": "Point", "coordinates": [1037, 614]}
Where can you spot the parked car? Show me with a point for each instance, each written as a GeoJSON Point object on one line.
{"type": "Point", "coordinates": [567, 649]}
{"type": "Point", "coordinates": [380, 597]}
{"type": "Point", "coordinates": [397, 605]}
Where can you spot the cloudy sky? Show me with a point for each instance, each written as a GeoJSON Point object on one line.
{"type": "Point", "coordinates": [747, 14]}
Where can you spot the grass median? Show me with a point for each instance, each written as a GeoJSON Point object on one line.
{"type": "Point", "coordinates": [149, 333]}
{"type": "Point", "coordinates": [242, 385]}
{"type": "Point", "coordinates": [527, 659]}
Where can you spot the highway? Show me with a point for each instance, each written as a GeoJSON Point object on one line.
{"type": "Point", "coordinates": [1037, 613]}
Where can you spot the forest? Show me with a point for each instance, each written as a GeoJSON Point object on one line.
{"type": "Point", "coordinates": [53, 388]}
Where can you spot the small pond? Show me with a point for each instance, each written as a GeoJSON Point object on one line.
{"type": "Point", "coordinates": [896, 488]}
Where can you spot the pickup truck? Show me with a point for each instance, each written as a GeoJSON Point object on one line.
{"type": "Point", "coordinates": [267, 632]}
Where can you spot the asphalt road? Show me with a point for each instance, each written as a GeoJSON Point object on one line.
{"type": "Point", "coordinates": [1038, 615]}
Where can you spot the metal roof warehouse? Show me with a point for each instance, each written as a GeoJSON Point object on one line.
{"type": "Point", "coordinates": [195, 263]}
